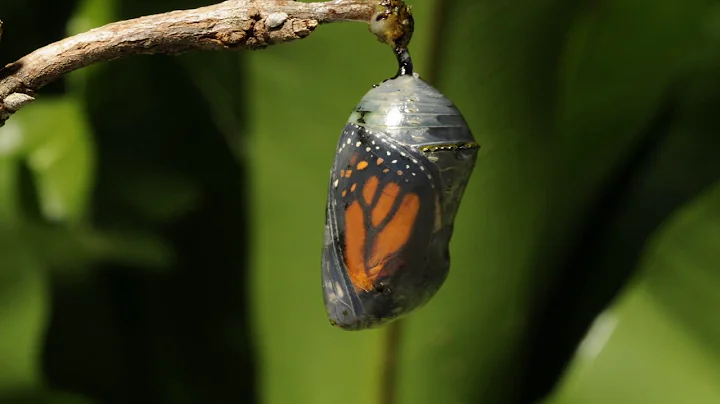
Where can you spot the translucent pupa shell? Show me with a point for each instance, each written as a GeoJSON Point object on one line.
{"type": "Point", "coordinates": [400, 170]}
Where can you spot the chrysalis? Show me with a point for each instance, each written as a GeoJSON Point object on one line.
{"type": "Point", "coordinates": [400, 170]}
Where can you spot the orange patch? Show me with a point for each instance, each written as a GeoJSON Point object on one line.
{"type": "Point", "coordinates": [369, 189]}
{"type": "Point", "coordinates": [362, 165]}
{"type": "Point", "coordinates": [388, 240]}
{"type": "Point", "coordinates": [380, 160]}
{"type": "Point", "coordinates": [342, 173]}
{"type": "Point", "coordinates": [353, 159]}
{"type": "Point", "coordinates": [344, 192]}
{"type": "Point", "coordinates": [387, 170]}
{"type": "Point", "coordinates": [348, 173]}
{"type": "Point", "coordinates": [355, 246]}
{"type": "Point", "coordinates": [385, 203]}
{"type": "Point", "coordinates": [395, 234]}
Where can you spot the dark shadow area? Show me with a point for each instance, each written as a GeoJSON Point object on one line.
{"type": "Point", "coordinates": [19, 39]}
{"type": "Point", "coordinates": [175, 334]}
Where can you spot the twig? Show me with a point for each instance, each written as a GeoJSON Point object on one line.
{"type": "Point", "coordinates": [235, 24]}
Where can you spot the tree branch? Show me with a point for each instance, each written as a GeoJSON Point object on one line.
{"type": "Point", "coordinates": [235, 24]}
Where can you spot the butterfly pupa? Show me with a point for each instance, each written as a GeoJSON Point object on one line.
{"type": "Point", "coordinates": [400, 170]}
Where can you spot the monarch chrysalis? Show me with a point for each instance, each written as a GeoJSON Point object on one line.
{"type": "Point", "coordinates": [400, 170]}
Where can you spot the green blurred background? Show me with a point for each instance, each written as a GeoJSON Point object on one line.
{"type": "Point", "coordinates": [161, 217]}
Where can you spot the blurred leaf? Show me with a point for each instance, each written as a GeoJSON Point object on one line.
{"type": "Point", "coordinates": [157, 192]}
{"type": "Point", "coordinates": [659, 338]}
{"type": "Point", "coordinates": [614, 76]}
{"type": "Point", "coordinates": [57, 142]}
{"type": "Point", "coordinates": [89, 14]}
{"type": "Point", "coordinates": [75, 249]}
{"type": "Point", "coordinates": [682, 166]}
{"type": "Point", "coordinates": [45, 397]}
{"type": "Point", "coordinates": [54, 137]}
{"type": "Point", "coordinates": [678, 164]}
{"type": "Point", "coordinates": [23, 311]}
{"type": "Point", "coordinates": [9, 200]}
